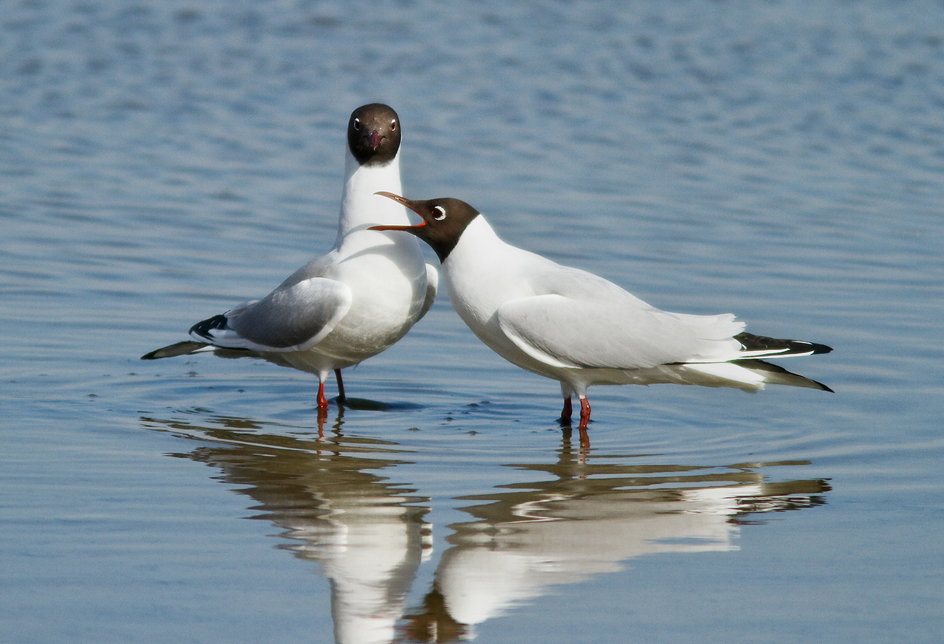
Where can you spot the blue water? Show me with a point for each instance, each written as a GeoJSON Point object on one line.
{"type": "Point", "coordinates": [162, 161]}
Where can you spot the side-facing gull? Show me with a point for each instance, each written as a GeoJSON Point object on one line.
{"type": "Point", "coordinates": [580, 329]}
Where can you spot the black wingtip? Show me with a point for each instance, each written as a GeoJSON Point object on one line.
{"type": "Point", "coordinates": [179, 349]}
{"type": "Point", "coordinates": [203, 329]}
{"type": "Point", "coordinates": [752, 342]}
{"type": "Point", "coordinates": [777, 375]}
{"type": "Point", "coordinates": [820, 348]}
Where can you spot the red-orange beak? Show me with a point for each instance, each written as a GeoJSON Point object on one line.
{"type": "Point", "coordinates": [401, 200]}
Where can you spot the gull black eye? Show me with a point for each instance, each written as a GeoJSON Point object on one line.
{"type": "Point", "coordinates": [357, 124]}
{"type": "Point", "coordinates": [439, 213]}
{"type": "Point", "coordinates": [393, 125]}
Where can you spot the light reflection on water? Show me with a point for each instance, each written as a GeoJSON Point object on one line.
{"type": "Point", "coordinates": [340, 502]}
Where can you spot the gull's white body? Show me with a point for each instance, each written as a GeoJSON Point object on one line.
{"type": "Point", "coordinates": [350, 304]}
{"type": "Point", "coordinates": [580, 329]}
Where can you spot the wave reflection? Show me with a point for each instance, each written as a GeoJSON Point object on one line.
{"type": "Point", "coordinates": [581, 515]}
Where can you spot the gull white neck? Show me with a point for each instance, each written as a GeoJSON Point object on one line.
{"type": "Point", "coordinates": [360, 207]}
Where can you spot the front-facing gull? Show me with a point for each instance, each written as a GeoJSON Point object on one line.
{"type": "Point", "coordinates": [355, 301]}
{"type": "Point", "coordinates": [580, 329]}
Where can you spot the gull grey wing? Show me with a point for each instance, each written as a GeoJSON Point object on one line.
{"type": "Point", "coordinates": [294, 317]}
{"type": "Point", "coordinates": [618, 333]}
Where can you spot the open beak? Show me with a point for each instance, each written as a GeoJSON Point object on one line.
{"type": "Point", "coordinates": [404, 201]}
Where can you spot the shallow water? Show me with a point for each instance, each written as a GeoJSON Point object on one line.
{"type": "Point", "coordinates": [163, 161]}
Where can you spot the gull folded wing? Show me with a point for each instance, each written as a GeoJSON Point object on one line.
{"type": "Point", "coordinates": [565, 332]}
{"type": "Point", "coordinates": [292, 318]}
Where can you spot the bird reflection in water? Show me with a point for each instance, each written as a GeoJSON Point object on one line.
{"type": "Point", "coordinates": [367, 532]}
{"type": "Point", "coordinates": [580, 519]}
{"type": "Point", "coordinates": [577, 517]}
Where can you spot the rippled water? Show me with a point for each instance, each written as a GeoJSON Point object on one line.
{"type": "Point", "coordinates": [160, 162]}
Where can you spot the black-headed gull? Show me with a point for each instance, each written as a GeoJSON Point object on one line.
{"type": "Point", "coordinates": [580, 329]}
{"type": "Point", "coordinates": [355, 301]}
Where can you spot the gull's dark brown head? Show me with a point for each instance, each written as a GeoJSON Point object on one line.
{"type": "Point", "coordinates": [444, 221]}
{"type": "Point", "coordinates": [373, 134]}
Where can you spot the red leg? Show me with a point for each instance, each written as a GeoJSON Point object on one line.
{"type": "Point", "coordinates": [584, 412]}
{"type": "Point", "coordinates": [584, 419]}
{"type": "Point", "coordinates": [567, 411]}
{"type": "Point", "coordinates": [322, 401]}
{"type": "Point", "coordinates": [341, 397]}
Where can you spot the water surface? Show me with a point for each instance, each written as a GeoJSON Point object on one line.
{"type": "Point", "coordinates": [160, 162]}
